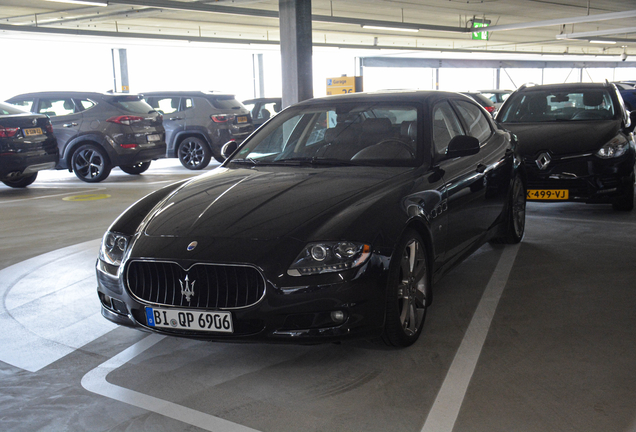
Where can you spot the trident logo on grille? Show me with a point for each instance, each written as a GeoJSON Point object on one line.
{"type": "Point", "coordinates": [187, 288]}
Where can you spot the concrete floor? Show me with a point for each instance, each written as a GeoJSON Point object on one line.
{"type": "Point", "coordinates": [536, 337]}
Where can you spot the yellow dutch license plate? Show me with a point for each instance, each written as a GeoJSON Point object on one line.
{"type": "Point", "coordinates": [32, 131]}
{"type": "Point", "coordinates": [547, 194]}
{"type": "Point", "coordinates": [241, 119]}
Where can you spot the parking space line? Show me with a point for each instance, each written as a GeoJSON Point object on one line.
{"type": "Point", "coordinates": [95, 382]}
{"type": "Point", "coordinates": [445, 410]}
{"type": "Point", "coordinates": [75, 192]}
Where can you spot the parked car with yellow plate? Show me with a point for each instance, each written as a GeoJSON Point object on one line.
{"type": "Point", "coordinates": [575, 141]}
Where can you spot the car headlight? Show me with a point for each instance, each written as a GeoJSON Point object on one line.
{"type": "Point", "coordinates": [615, 148]}
{"type": "Point", "coordinates": [328, 257]}
{"type": "Point", "coordinates": [113, 247]}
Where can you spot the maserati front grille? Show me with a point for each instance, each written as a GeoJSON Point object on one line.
{"type": "Point", "coordinates": [205, 286]}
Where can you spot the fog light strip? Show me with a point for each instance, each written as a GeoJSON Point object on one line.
{"type": "Point", "coordinates": [445, 410]}
{"type": "Point", "coordinates": [95, 381]}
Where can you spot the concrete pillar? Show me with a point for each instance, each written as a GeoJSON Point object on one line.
{"type": "Point", "coordinates": [120, 72]}
{"type": "Point", "coordinates": [259, 76]}
{"type": "Point", "coordinates": [295, 46]}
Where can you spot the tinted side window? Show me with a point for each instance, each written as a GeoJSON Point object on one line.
{"type": "Point", "coordinates": [475, 119]}
{"type": "Point", "coordinates": [446, 125]}
{"type": "Point", "coordinates": [84, 104]}
{"type": "Point", "coordinates": [166, 105]}
{"type": "Point", "coordinates": [26, 104]}
{"type": "Point", "coordinates": [56, 107]}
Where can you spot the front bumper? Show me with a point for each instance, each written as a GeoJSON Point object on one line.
{"type": "Point", "coordinates": [348, 307]}
{"type": "Point", "coordinates": [587, 178]}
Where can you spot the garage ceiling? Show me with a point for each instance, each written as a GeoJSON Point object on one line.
{"type": "Point", "coordinates": [574, 27]}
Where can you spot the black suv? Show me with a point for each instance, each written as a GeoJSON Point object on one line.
{"type": "Point", "coordinates": [198, 124]}
{"type": "Point", "coordinates": [99, 131]}
{"type": "Point", "coordinates": [576, 142]}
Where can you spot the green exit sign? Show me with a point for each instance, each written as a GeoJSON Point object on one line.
{"type": "Point", "coordinates": [480, 35]}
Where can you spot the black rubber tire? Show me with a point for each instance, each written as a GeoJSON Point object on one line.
{"type": "Point", "coordinates": [515, 222]}
{"type": "Point", "coordinates": [626, 202]}
{"type": "Point", "coordinates": [21, 182]}
{"type": "Point", "coordinates": [194, 153]}
{"type": "Point", "coordinates": [409, 291]}
{"type": "Point", "coordinates": [90, 163]}
{"type": "Point", "coordinates": [136, 169]}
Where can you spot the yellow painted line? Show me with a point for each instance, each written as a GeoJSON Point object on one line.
{"type": "Point", "coordinates": [86, 197]}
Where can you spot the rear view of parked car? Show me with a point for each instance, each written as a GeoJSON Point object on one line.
{"type": "Point", "coordinates": [198, 124]}
{"type": "Point", "coordinates": [99, 131]}
{"type": "Point", "coordinates": [27, 145]}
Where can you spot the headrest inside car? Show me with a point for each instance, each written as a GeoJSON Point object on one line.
{"type": "Point", "coordinates": [594, 98]}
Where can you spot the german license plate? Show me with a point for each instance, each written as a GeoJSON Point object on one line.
{"type": "Point", "coordinates": [32, 131]}
{"type": "Point", "coordinates": [153, 137]}
{"type": "Point", "coordinates": [182, 319]}
{"type": "Point", "coordinates": [547, 194]}
{"type": "Point", "coordinates": [241, 119]}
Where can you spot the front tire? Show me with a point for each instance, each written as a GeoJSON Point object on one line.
{"type": "Point", "coordinates": [194, 154]}
{"type": "Point", "coordinates": [90, 163]}
{"type": "Point", "coordinates": [409, 291]}
{"type": "Point", "coordinates": [136, 169]}
{"type": "Point", "coordinates": [21, 182]}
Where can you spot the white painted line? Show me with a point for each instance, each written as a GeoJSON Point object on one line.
{"type": "Point", "coordinates": [95, 381]}
{"type": "Point", "coordinates": [75, 192]}
{"type": "Point", "coordinates": [443, 414]}
{"type": "Point", "coordinates": [49, 308]}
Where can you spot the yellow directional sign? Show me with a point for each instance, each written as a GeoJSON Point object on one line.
{"type": "Point", "coordinates": [344, 84]}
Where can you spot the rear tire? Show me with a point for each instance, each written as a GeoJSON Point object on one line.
{"type": "Point", "coordinates": [136, 169]}
{"type": "Point", "coordinates": [409, 291]}
{"type": "Point", "coordinates": [515, 223]}
{"type": "Point", "coordinates": [90, 163]}
{"type": "Point", "coordinates": [194, 153]}
{"type": "Point", "coordinates": [21, 182]}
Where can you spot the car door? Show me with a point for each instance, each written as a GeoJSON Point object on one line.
{"type": "Point", "coordinates": [174, 119]}
{"type": "Point", "coordinates": [66, 119]}
{"type": "Point", "coordinates": [465, 191]}
{"type": "Point", "coordinates": [494, 163]}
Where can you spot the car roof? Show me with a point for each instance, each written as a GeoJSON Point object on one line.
{"type": "Point", "coordinates": [563, 86]}
{"type": "Point", "coordinates": [183, 93]}
{"type": "Point", "coordinates": [262, 100]}
{"type": "Point", "coordinates": [387, 96]}
{"type": "Point", "coordinates": [70, 94]}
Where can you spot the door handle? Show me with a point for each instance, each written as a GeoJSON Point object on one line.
{"type": "Point", "coordinates": [69, 124]}
{"type": "Point", "coordinates": [481, 168]}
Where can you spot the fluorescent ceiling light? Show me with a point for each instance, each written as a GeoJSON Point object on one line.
{"type": "Point", "coordinates": [390, 28]}
{"type": "Point", "coordinates": [82, 2]}
{"type": "Point", "coordinates": [615, 31]}
{"type": "Point", "coordinates": [602, 42]}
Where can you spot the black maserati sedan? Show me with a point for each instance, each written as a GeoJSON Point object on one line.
{"type": "Point", "coordinates": [332, 221]}
{"type": "Point", "coordinates": [27, 145]}
{"type": "Point", "coordinates": [576, 142]}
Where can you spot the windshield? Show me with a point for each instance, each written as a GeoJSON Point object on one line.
{"type": "Point", "coordinates": [378, 135]}
{"type": "Point", "coordinates": [555, 105]}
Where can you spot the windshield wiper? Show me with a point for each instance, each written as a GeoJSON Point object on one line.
{"type": "Point", "coordinates": [246, 161]}
{"type": "Point", "coordinates": [314, 161]}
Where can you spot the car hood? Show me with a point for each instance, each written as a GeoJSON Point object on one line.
{"type": "Point", "coordinates": [563, 138]}
{"type": "Point", "coordinates": [260, 204]}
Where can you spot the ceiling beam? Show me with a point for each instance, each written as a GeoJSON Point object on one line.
{"type": "Point", "coordinates": [561, 21]}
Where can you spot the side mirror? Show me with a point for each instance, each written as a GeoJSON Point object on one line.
{"type": "Point", "coordinates": [228, 149]}
{"type": "Point", "coordinates": [462, 145]}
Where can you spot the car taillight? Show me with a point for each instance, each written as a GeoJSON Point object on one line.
{"type": "Point", "coordinates": [128, 146]}
{"type": "Point", "coordinates": [8, 132]}
{"type": "Point", "coordinates": [490, 109]}
{"type": "Point", "coordinates": [49, 128]}
{"type": "Point", "coordinates": [220, 118]}
{"type": "Point", "coordinates": [125, 119]}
